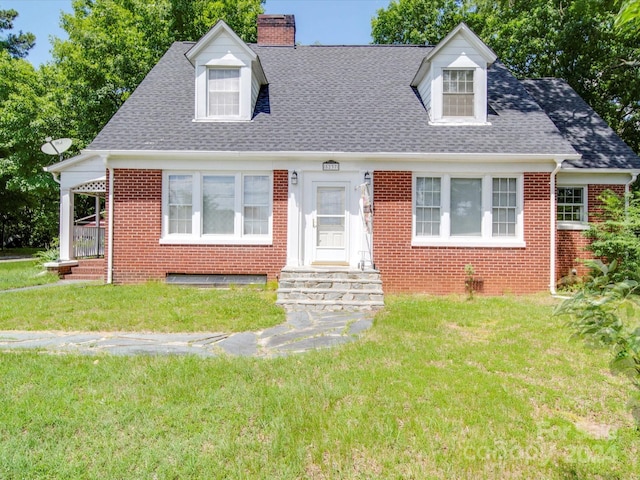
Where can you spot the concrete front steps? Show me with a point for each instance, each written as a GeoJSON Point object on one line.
{"type": "Point", "coordinates": [88, 269]}
{"type": "Point", "coordinates": [330, 289]}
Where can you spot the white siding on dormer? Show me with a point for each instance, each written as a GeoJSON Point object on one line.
{"type": "Point", "coordinates": [459, 54]}
{"type": "Point", "coordinates": [460, 50]}
{"type": "Point", "coordinates": [424, 89]}
{"type": "Point", "coordinates": [224, 52]}
{"type": "Point", "coordinates": [255, 91]}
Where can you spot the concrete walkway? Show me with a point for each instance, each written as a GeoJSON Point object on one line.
{"type": "Point", "coordinates": [303, 331]}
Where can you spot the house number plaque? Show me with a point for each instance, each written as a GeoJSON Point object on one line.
{"type": "Point", "coordinates": [331, 166]}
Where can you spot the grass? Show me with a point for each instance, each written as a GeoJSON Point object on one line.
{"type": "Point", "coordinates": [18, 252]}
{"type": "Point", "coordinates": [439, 388]}
{"type": "Point", "coordinates": [24, 273]}
{"type": "Point", "coordinates": [150, 307]}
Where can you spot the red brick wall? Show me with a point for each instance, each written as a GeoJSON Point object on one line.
{"type": "Point", "coordinates": [440, 270]}
{"type": "Point", "coordinates": [138, 256]}
{"type": "Point", "coordinates": [571, 244]}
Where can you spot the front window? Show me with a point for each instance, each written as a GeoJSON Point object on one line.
{"type": "Point", "coordinates": [428, 191]}
{"type": "Point", "coordinates": [256, 205]}
{"type": "Point", "coordinates": [466, 207]}
{"type": "Point", "coordinates": [218, 204]}
{"type": "Point", "coordinates": [202, 207]}
{"type": "Point", "coordinates": [505, 204]}
{"type": "Point", "coordinates": [571, 204]}
{"type": "Point", "coordinates": [450, 210]}
{"type": "Point", "coordinates": [224, 92]}
{"type": "Point", "coordinates": [458, 95]}
{"type": "Point", "coordinates": [180, 203]}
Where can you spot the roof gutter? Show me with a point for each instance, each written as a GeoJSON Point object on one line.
{"type": "Point", "coordinates": [553, 233]}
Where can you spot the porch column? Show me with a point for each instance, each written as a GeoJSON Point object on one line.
{"type": "Point", "coordinates": [66, 224]}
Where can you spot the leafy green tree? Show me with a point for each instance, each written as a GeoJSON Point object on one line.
{"type": "Point", "coordinates": [28, 203]}
{"type": "Point", "coordinates": [629, 15]}
{"type": "Point", "coordinates": [112, 45]}
{"type": "Point", "coordinates": [614, 237]}
{"type": "Point", "coordinates": [417, 22]}
{"type": "Point", "coordinates": [18, 45]}
{"type": "Point", "coordinates": [571, 39]}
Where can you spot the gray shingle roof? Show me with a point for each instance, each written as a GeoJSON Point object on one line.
{"type": "Point", "coordinates": [589, 134]}
{"type": "Point", "coordinates": [328, 99]}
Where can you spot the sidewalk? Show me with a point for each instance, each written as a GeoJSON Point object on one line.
{"type": "Point", "coordinates": [303, 331]}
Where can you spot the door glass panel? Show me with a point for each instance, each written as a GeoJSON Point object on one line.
{"type": "Point", "coordinates": [330, 217]}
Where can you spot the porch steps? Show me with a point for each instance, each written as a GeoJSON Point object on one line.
{"type": "Point", "coordinates": [331, 289]}
{"type": "Point", "coordinates": [88, 269]}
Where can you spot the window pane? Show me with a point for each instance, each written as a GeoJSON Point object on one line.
{"type": "Point", "coordinates": [218, 204]}
{"type": "Point", "coordinates": [458, 98]}
{"type": "Point", "coordinates": [504, 207]}
{"type": "Point", "coordinates": [570, 204]}
{"type": "Point", "coordinates": [180, 203]}
{"type": "Point", "coordinates": [256, 204]}
{"type": "Point", "coordinates": [224, 92]}
{"type": "Point", "coordinates": [466, 206]}
{"type": "Point", "coordinates": [428, 191]}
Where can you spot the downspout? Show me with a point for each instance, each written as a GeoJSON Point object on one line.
{"type": "Point", "coordinates": [552, 253]}
{"type": "Point", "coordinates": [627, 188]}
{"type": "Point", "coordinates": [110, 238]}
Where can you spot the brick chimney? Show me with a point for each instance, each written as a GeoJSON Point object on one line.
{"type": "Point", "coordinates": [277, 30]}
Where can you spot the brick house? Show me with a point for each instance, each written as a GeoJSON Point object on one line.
{"type": "Point", "coordinates": [405, 163]}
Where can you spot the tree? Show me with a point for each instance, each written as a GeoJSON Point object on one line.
{"type": "Point", "coordinates": [614, 237]}
{"type": "Point", "coordinates": [18, 45]}
{"type": "Point", "coordinates": [629, 15]}
{"type": "Point", "coordinates": [28, 206]}
{"type": "Point", "coordinates": [113, 44]}
{"type": "Point", "coordinates": [571, 39]}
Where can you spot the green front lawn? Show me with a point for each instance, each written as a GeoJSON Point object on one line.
{"type": "Point", "coordinates": [439, 388]}
{"type": "Point", "coordinates": [154, 306]}
{"type": "Point", "coordinates": [23, 273]}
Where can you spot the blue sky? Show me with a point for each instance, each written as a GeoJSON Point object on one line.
{"type": "Point", "coordinates": [329, 22]}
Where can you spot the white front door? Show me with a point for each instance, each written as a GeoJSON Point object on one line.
{"type": "Point", "coordinates": [330, 223]}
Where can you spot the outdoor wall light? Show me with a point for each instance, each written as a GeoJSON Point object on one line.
{"type": "Point", "coordinates": [367, 178]}
{"type": "Point", "coordinates": [294, 178]}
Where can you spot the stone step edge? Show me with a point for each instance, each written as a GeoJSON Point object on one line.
{"type": "Point", "coordinates": [354, 303]}
{"type": "Point", "coordinates": [331, 280]}
{"type": "Point", "coordinates": [360, 291]}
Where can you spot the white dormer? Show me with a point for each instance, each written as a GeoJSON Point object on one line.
{"type": "Point", "coordinates": [228, 76]}
{"type": "Point", "coordinates": [452, 79]}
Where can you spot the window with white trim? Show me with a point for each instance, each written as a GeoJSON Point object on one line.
{"type": "Point", "coordinates": [204, 207]}
{"type": "Point", "coordinates": [467, 210]}
{"type": "Point", "coordinates": [223, 92]}
{"type": "Point", "coordinates": [571, 204]}
{"type": "Point", "coordinates": [457, 93]}
{"type": "Point", "coordinates": [504, 206]}
{"type": "Point", "coordinates": [428, 191]}
{"type": "Point", "coordinates": [180, 203]}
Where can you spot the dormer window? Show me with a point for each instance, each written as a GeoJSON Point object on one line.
{"type": "Point", "coordinates": [457, 93]}
{"type": "Point", "coordinates": [223, 92]}
{"type": "Point", "coordinates": [228, 76]}
{"type": "Point", "coordinates": [452, 79]}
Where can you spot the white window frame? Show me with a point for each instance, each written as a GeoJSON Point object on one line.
{"type": "Point", "coordinates": [208, 92]}
{"type": "Point", "coordinates": [479, 94]}
{"type": "Point", "coordinates": [197, 236]}
{"type": "Point", "coordinates": [581, 224]}
{"type": "Point", "coordinates": [454, 94]}
{"type": "Point", "coordinates": [486, 239]}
